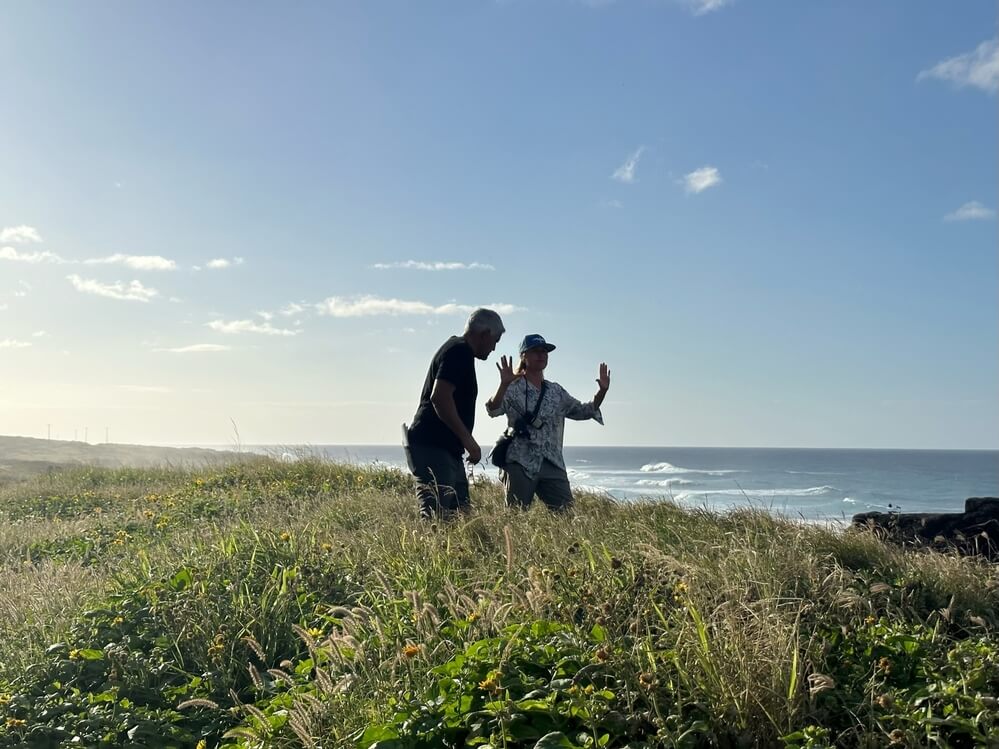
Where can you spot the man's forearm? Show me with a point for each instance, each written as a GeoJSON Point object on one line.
{"type": "Point", "coordinates": [448, 413]}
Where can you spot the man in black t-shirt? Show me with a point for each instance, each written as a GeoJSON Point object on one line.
{"type": "Point", "coordinates": [442, 426]}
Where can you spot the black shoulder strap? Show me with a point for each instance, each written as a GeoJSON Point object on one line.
{"type": "Point", "coordinates": [537, 406]}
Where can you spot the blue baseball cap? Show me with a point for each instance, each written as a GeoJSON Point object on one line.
{"type": "Point", "coordinates": [535, 340]}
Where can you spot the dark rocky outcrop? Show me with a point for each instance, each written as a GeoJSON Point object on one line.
{"type": "Point", "coordinates": [974, 531]}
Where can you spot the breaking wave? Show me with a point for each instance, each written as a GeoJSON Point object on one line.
{"type": "Point", "coordinates": [670, 468]}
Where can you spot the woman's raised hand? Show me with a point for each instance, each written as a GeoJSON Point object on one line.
{"type": "Point", "coordinates": [505, 367]}
{"type": "Point", "coordinates": [603, 380]}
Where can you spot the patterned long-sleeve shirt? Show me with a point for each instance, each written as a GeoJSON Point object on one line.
{"type": "Point", "coordinates": [545, 441]}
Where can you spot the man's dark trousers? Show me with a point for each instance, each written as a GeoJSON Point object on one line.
{"type": "Point", "coordinates": [443, 484]}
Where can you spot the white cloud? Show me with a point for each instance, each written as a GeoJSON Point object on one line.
{"type": "Point", "coordinates": [701, 179]}
{"type": "Point", "coordinates": [3, 307]}
{"type": "Point", "coordinates": [700, 7]}
{"type": "Point", "coordinates": [292, 308]}
{"type": "Point", "coordinates": [19, 234]}
{"type": "Point", "coordinates": [221, 262]}
{"type": "Point", "coordinates": [9, 253]}
{"type": "Point", "coordinates": [970, 212]}
{"type": "Point", "coordinates": [438, 265]}
{"type": "Point", "coordinates": [367, 306]}
{"type": "Point", "coordinates": [39, 334]}
{"type": "Point", "coordinates": [131, 292]}
{"type": "Point", "coordinates": [25, 285]}
{"type": "Point", "coordinates": [978, 68]}
{"type": "Point", "coordinates": [136, 262]}
{"type": "Point", "coordinates": [232, 327]}
{"type": "Point", "coordinates": [13, 343]}
{"type": "Point", "coordinates": [196, 348]}
{"type": "Point", "coordinates": [146, 388]}
{"type": "Point", "coordinates": [626, 172]}
{"type": "Point", "coordinates": [267, 315]}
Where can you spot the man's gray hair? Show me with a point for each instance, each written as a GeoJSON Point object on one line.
{"type": "Point", "coordinates": [484, 319]}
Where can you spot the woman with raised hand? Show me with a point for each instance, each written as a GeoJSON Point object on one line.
{"type": "Point", "coordinates": [535, 464]}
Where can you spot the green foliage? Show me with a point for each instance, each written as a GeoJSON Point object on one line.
{"type": "Point", "coordinates": [531, 685]}
{"type": "Point", "coordinates": [913, 682]}
{"type": "Point", "coordinates": [269, 604]}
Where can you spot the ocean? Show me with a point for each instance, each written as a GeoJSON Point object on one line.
{"type": "Point", "coordinates": [811, 484]}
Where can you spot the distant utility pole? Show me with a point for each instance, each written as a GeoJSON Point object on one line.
{"type": "Point", "coordinates": [74, 436]}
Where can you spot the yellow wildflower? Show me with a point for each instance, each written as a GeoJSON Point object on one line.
{"type": "Point", "coordinates": [411, 650]}
{"type": "Point", "coordinates": [490, 683]}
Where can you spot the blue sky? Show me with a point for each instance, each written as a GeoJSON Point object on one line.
{"type": "Point", "coordinates": [775, 221]}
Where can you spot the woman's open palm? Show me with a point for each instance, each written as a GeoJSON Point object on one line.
{"type": "Point", "coordinates": [505, 367]}
{"type": "Point", "coordinates": [603, 380]}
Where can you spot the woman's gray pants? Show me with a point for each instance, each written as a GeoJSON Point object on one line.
{"type": "Point", "coordinates": [551, 485]}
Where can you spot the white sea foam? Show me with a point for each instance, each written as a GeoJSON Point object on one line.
{"type": "Point", "coordinates": [816, 473]}
{"type": "Point", "coordinates": [813, 491]}
{"type": "Point", "coordinates": [670, 468]}
{"type": "Point", "coordinates": [665, 482]}
{"type": "Point", "coordinates": [851, 501]}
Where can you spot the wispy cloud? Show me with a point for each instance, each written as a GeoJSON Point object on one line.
{"type": "Point", "coordinates": [626, 172]}
{"type": "Point", "coordinates": [20, 234]}
{"type": "Point", "coordinates": [973, 211]}
{"type": "Point", "coordinates": [3, 307]}
{"type": "Point", "coordinates": [220, 262]}
{"type": "Point", "coordinates": [292, 308]}
{"type": "Point", "coordinates": [13, 343]}
{"type": "Point", "coordinates": [136, 262]}
{"type": "Point", "coordinates": [700, 7]}
{"type": "Point", "coordinates": [701, 179]}
{"type": "Point", "coordinates": [232, 327]}
{"type": "Point", "coordinates": [134, 291]}
{"type": "Point", "coordinates": [978, 68]}
{"type": "Point", "coordinates": [39, 334]}
{"type": "Point", "coordinates": [438, 265]}
{"type": "Point", "coordinates": [145, 388]}
{"type": "Point", "coordinates": [9, 253]}
{"type": "Point", "coordinates": [369, 306]}
{"type": "Point", "coordinates": [196, 348]}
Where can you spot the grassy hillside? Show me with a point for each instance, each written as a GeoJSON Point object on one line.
{"type": "Point", "coordinates": [268, 604]}
{"type": "Point", "coordinates": [22, 457]}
